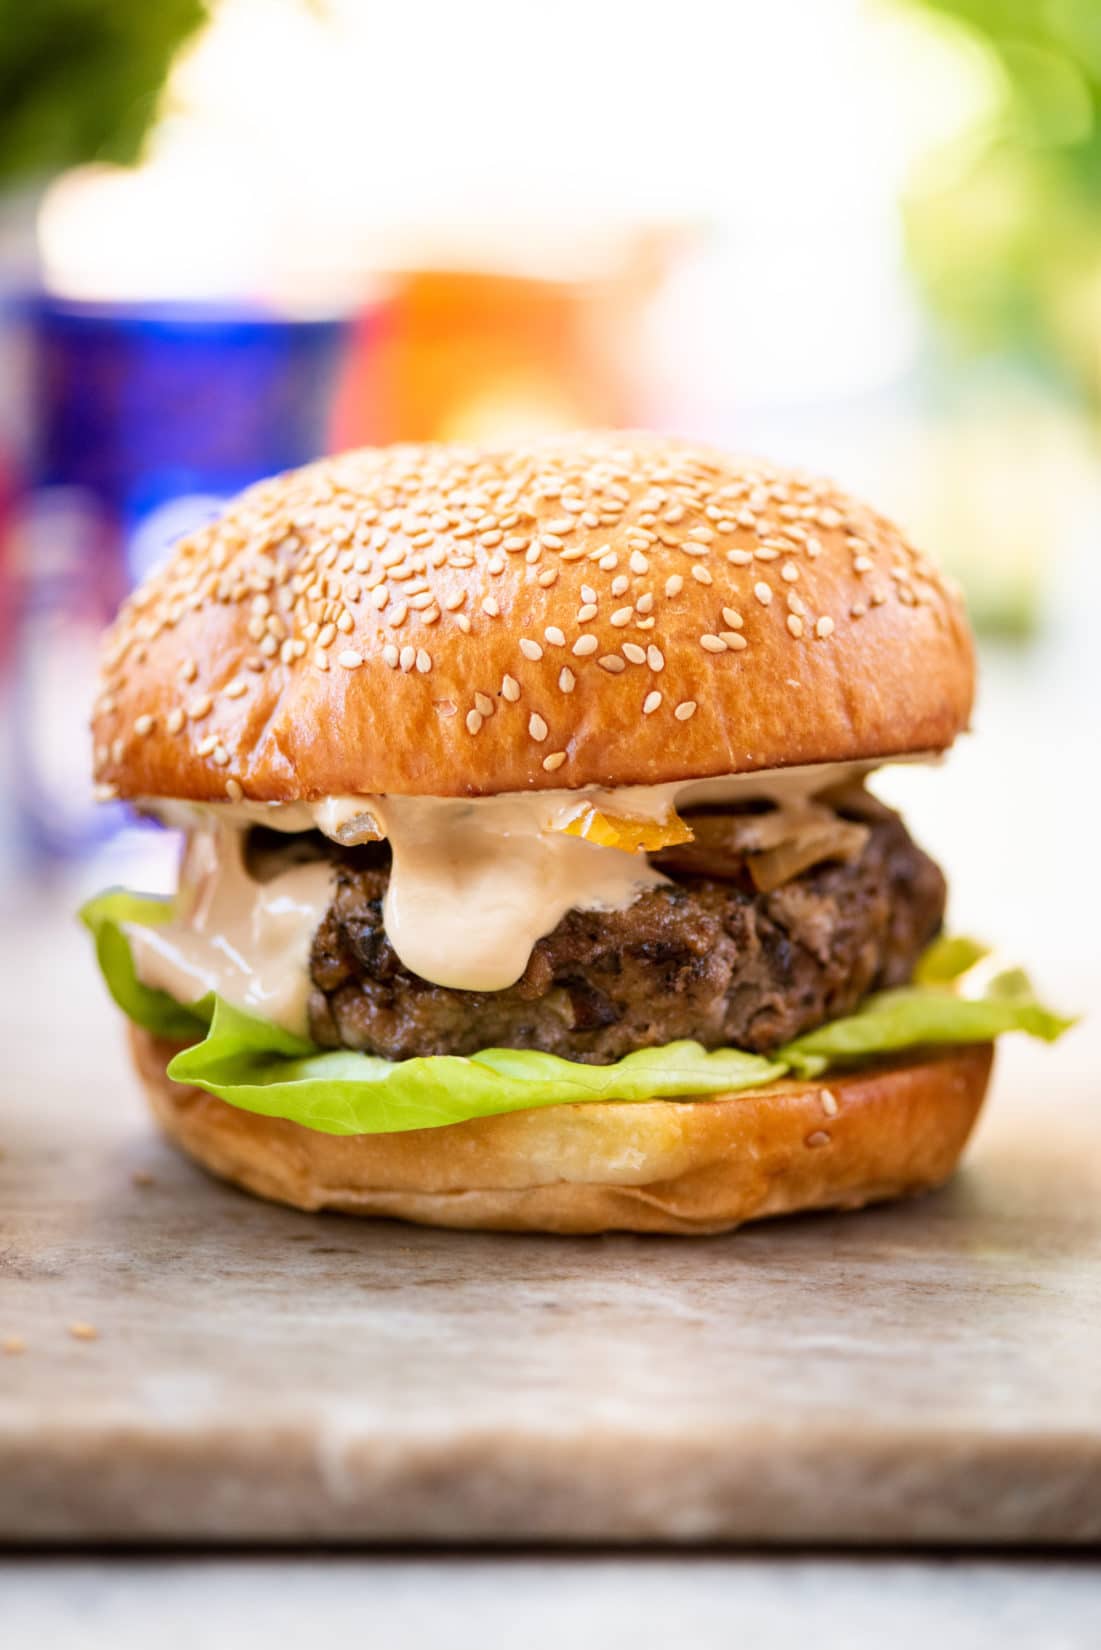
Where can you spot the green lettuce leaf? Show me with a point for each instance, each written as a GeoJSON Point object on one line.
{"type": "Point", "coordinates": [261, 1068]}
{"type": "Point", "coordinates": [924, 1016]}
{"type": "Point", "coordinates": [159, 1013]}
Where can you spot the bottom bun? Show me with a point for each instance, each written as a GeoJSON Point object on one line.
{"type": "Point", "coordinates": [686, 1166]}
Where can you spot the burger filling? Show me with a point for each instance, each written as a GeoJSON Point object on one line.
{"type": "Point", "coordinates": [366, 965]}
{"type": "Point", "coordinates": [757, 933]}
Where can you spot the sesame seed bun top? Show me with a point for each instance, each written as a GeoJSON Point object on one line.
{"type": "Point", "coordinates": [609, 609]}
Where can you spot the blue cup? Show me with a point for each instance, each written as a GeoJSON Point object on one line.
{"type": "Point", "coordinates": [147, 419]}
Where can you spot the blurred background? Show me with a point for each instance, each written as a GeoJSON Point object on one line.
{"type": "Point", "coordinates": [861, 235]}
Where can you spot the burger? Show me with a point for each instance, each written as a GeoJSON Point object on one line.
{"type": "Point", "coordinates": [530, 877]}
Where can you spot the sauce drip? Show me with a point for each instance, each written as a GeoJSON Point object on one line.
{"type": "Point", "coordinates": [248, 941]}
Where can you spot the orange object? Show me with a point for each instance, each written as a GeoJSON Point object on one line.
{"type": "Point", "coordinates": [453, 355]}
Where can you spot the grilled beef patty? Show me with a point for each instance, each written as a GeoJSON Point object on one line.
{"type": "Point", "coordinates": [708, 957]}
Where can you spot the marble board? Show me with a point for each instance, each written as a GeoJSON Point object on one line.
{"type": "Point", "coordinates": [188, 1364]}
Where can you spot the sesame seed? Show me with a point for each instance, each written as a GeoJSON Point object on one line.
{"type": "Point", "coordinates": [858, 610]}
{"type": "Point", "coordinates": [144, 725]}
{"type": "Point", "coordinates": [877, 598]}
{"type": "Point", "coordinates": [612, 663]}
{"type": "Point", "coordinates": [610, 562]}
{"type": "Point", "coordinates": [829, 1102]}
{"type": "Point", "coordinates": [824, 627]}
{"type": "Point", "coordinates": [510, 689]}
{"type": "Point", "coordinates": [586, 612]}
{"type": "Point", "coordinates": [651, 703]}
{"type": "Point", "coordinates": [554, 761]}
{"type": "Point", "coordinates": [638, 562]}
{"type": "Point", "coordinates": [235, 689]}
{"type": "Point", "coordinates": [674, 585]}
{"type": "Point", "coordinates": [220, 755]}
{"type": "Point", "coordinates": [733, 639]}
{"type": "Point", "coordinates": [537, 727]}
{"type": "Point", "coordinates": [634, 653]}
{"type": "Point", "coordinates": [407, 658]}
{"type": "Point", "coordinates": [862, 564]}
{"type": "Point", "coordinates": [555, 636]}
{"type": "Point", "coordinates": [620, 584]}
{"type": "Point", "coordinates": [269, 646]}
{"type": "Point", "coordinates": [795, 624]}
{"type": "Point", "coordinates": [321, 658]}
{"type": "Point", "coordinates": [763, 592]}
{"type": "Point", "coordinates": [198, 708]}
{"type": "Point", "coordinates": [701, 574]}
{"type": "Point", "coordinates": [655, 658]}
{"type": "Point", "coordinates": [712, 644]}
{"type": "Point", "coordinates": [530, 650]}
{"type": "Point", "coordinates": [789, 571]}
{"type": "Point", "coordinates": [234, 791]}
{"type": "Point", "coordinates": [818, 1137]}
{"type": "Point", "coordinates": [207, 744]}
{"type": "Point", "coordinates": [585, 645]}
{"type": "Point", "coordinates": [733, 618]}
{"type": "Point", "coordinates": [286, 652]}
{"type": "Point", "coordinates": [588, 594]}
{"type": "Point", "coordinates": [345, 622]}
{"type": "Point", "coordinates": [490, 607]}
{"type": "Point", "coordinates": [739, 558]}
{"type": "Point", "coordinates": [548, 577]}
{"type": "Point", "coordinates": [350, 659]}
{"type": "Point", "coordinates": [189, 669]}
{"type": "Point", "coordinates": [622, 616]}
{"type": "Point", "coordinates": [174, 721]}
{"type": "Point", "coordinates": [484, 704]}
{"type": "Point", "coordinates": [566, 679]}
{"type": "Point", "coordinates": [685, 709]}
{"type": "Point", "coordinates": [391, 655]}
{"type": "Point", "coordinates": [473, 721]}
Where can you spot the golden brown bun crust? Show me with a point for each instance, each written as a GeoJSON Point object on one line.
{"type": "Point", "coordinates": [609, 609]}
{"type": "Point", "coordinates": [656, 1166]}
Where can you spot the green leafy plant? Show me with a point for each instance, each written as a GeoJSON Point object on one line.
{"type": "Point", "coordinates": [79, 79]}
{"type": "Point", "coordinates": [1006, 240]}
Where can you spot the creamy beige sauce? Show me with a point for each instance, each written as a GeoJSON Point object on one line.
{"type": "Point", "coordinates": [474, 882]}
{"type": "Point", "coordinates": [247, 940]}
{"type": "Point", "coordinates": [473, 885]}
